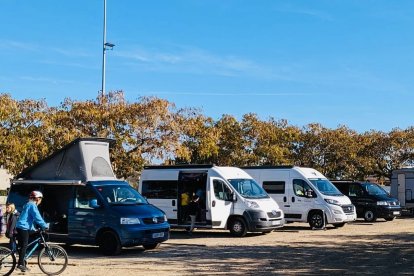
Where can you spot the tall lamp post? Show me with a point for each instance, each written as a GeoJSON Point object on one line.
{"type": "Point", "coordinates": [106, 46]}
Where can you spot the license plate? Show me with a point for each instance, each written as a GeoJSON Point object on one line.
{"type": "Point", "coordinates": [396, 213]}
{"type": "Point", "coordinates": [276, 222]}
{"type": "Point", "coordinates": [157, 235]}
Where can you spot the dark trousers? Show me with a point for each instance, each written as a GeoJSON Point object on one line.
{"type": "Point", "coordinates": [23, 240]}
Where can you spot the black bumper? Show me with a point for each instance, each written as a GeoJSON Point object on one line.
{"type": "Point", "coordinates": [388, 211]}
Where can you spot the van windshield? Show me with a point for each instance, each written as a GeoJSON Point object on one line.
{"type": "Point", "coordinates": [121, 195]}
{"type": "Point", "coordinates": [374, 189]}
{"type": "Point", "coordinates": [248, 188]}
{"type": "Point", "coordinates": [325, 186]}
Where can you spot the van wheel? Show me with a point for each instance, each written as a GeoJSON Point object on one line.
{"type": "Point", "coordinates": [238, 227]}
{"type": "Point", "coordinates": [109, 243]}
{"type": "Point", "coordinates": [339, 225]}
{"type": "Point", "coordinates": [369, 215]}
{"type": "Point", "coordinates": [151, 246]}
{"type": "Point", "coordinates": [316, 220]}
{"type": "Point", "coordinates": [390, 219]}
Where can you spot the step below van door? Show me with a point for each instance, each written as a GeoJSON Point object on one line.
{"type": "Point", "coordinates": [220, 203]}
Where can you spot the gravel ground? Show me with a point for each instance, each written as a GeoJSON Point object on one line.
{"type": "Point", "coordinates": [382, 248]}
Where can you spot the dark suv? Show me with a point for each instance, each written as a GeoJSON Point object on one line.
{"type": "Point", "coordinates": [371, 201]}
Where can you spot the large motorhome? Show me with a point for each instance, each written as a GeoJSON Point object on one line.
{"type": "Point", "coordinates": [304, 195]}
{"type": "Point", "coordinates": [402, 187]}
{"type": "Point", "coordinates": [85, 203]}
{"type": "Point", "coordinates": [229, 197]}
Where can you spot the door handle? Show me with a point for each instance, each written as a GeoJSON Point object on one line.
{"type": "Point", "coordinates": [284, 199]}
{"type": "Point", "coordinates": [174, 210]}
{"type": "Point", "coordinates": [213, 203]}
{"type": "Point", "coordinates": [293, 199]}
{"type": "Point", "coordinates": [173, 202]}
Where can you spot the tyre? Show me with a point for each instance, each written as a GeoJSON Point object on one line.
{"type": "Point", "coordinates": [151, 246]}
{"type": "Point", "coordinates": [7, 261]}
{"type": "Point", "coordinates": [238, 227]}
{"type": "Point", "coordinates": [369, 215]}
{"type": "Point", "coordinates": [390, 219]}
{"type": "Point", "coordinates": [52, 260]}
{"type": "Point", "coordinates": [109, 243]}
{"type": "Point", "coordinates": [316, 220]}
{"type": "Point", "coordinates": [339, 225]}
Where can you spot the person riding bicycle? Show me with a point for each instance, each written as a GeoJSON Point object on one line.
{"type": "Point", "coordinates": [29, 219]}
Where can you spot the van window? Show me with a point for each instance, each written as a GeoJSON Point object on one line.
{"type": "Point", "coordinates": [355, 190]}
{"type": "Point", "coordinates": [83, 196]}
{"type": "Point", "coordinates": [120, 195]}
{"type": "Point", "coordinates": [274, 187]}
{"type": "Point", "coordinates": [221, 191]}
{"type": "Point", "coordinates": [163, 189]}
{"type": "Point", "coordinates": [19, 194]}
{"type": "Point", "coordinates": [300, 187]}
{"type": "Point", "coordinates": [248, 188]}
{"type": "Point", "coordinates": [325, 186]}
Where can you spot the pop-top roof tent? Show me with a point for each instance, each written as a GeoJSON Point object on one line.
{"type": "Point", "coordinates": [84, 159]}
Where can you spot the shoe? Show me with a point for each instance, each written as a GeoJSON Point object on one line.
{"type": "Point", "coordinates": [23, 268]}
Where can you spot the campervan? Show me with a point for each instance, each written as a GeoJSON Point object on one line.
{"type": "Point", "coordinates": [85, 203]}
{"type": "Point", "coordinates": [370, 200]}
{"type": "Point", "coordinates": [228, 198]}
{"type": "Point", "coordinates": [304, 195]}
{"type": "Point", "coordinates": [402, 187]}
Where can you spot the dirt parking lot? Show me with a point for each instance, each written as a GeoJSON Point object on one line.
{"type": "Point", "coordinates": [382, 248]}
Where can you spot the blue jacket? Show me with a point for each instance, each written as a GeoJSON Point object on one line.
{"type": "Point", "coordinates": [30, 218]}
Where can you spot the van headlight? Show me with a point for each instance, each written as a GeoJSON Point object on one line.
{"type": "Point", "coordinates": [383, 203]}
{"type": "Point", "coordinates": [130, 221]}
{"type": "Point", "coordinates": [332, 201]}
{"type": "Point", "coordinates": [252, 204]}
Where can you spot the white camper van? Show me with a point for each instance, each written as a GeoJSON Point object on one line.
{"type": "Point", "coordinates": [229, 198]}
{"type": "Point", "coordinates": [402, 187]}
{"type": "Point", "coordinates": [304, 194]}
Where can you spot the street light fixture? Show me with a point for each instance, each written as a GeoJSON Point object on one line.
{"type": "Point", "coordinates": [106, 46]}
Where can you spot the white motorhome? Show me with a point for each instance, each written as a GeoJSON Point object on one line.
{"type": "Point", "coordinates": [402, 187]}
{"type": "Point", "coordinates": [229, 197]}
{"type": "Point", "coordinates": [304, 195]}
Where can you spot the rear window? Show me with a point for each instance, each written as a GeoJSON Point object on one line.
{"type": "Point", "coordinates": [162, 189]}
{"type": "Point", "coordinates": [274, 187]}
{"type": "Point", "coordinates": [19, 194]}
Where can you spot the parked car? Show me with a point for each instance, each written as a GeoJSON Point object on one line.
{"type": "Point", "coordinates": [371, 201]}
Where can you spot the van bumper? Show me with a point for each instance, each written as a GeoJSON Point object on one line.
{"type": "Point", "coordinates": [136, 235]}
{"type": "Point", "coordinates": [341, 214]}
{"type": "Point", "coordinates": [388, 211]}
{"type": "Point", "coordinates": [258, 221]}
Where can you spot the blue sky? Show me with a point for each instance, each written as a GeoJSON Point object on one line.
{"type": "Point", "coordinates": [348, 62]}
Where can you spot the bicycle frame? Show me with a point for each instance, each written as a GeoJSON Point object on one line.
{"type": "Point", "coordinates": [32, 246]}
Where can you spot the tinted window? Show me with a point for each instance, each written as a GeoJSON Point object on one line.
{"type": "Point", "coordinates": [274, 187]}
{"type": "Point", "coordinates": [83, 196]}
{"type": "Point", "coordinates": [120, 195]}
{"type": "Point", "coordinates": [163, 189]}
{"type": "Point", "coordinates": [221, 191]}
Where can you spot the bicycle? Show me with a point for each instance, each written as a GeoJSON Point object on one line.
{"type": "Point", "coordinates": [52, 259]}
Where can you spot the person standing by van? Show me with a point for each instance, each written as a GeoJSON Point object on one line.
{"type": "Point", "coordinates": [29, 219]}
{"type": "Point", "coordinates": [11, 219]}
{"type": "Point", "coordinates": [185, 200]}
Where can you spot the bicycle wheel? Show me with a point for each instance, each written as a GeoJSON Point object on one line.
{"type": "Point", "coordinates": [7, 261]}
{"type": "Point", "coordinates": [52, 260]}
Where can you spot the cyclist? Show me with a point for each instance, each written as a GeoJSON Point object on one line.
{"type": "Point", "coordinates": [29, 219]}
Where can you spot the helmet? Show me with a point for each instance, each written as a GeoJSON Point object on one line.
{"type": "Point", "coordinates": [36, 194]}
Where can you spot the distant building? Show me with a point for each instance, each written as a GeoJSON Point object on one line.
{"type": "Point", "coordinates": [5, 179]}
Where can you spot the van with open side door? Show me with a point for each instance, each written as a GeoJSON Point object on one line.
{"type": "Point", "coordinates": [304, 195]}
{"type": "Point", "coordinates": [85, 203]}
{"type": "Point", "coordinates": [229, 198]}
{"type": "Point", "coordinates": [370, 200]}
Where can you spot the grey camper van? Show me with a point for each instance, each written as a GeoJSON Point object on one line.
{"type": "Point", "coordinates": [85, 203]}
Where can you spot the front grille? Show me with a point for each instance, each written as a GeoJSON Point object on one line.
{"type": "Point", "coordinates": [153, 220]}
{"type": "Point", "coordinates": [274, 214]}
{"type": "Point", "coordinates": [348, 209]}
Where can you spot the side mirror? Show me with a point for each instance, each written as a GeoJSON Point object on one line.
{"type": "Point", "coordinates": [233, 197]}
{"type": "Point", "coordinates": [93, 203]}
{"type": "Point", "coordinates": [309, 193]}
